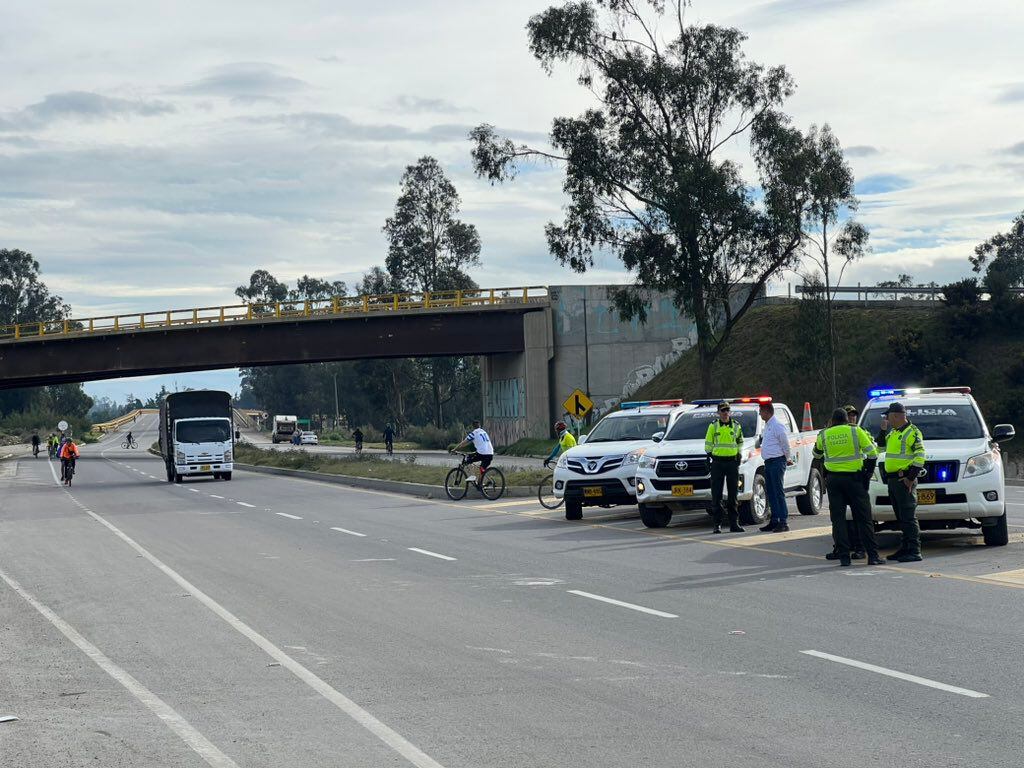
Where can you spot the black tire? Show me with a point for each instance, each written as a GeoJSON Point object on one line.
{"type": "Point", "coordinates": [177, 478]}
{"type": "Point", "coordinates": [655, 516]}
{"type": "Point", "coordinates": [809, 503]}
{"type": "Point", "coordinates": [546, 493]}
{"type": "Point", "coordinates": [226, 475]}
{"type": "Point", "coordinates": [492, 484]}
{"type": "Point", "coordinates": [216, 475]}
{"type": "Point", "coordinates": [756, 511]}
{"type": "Point", "coordinates": [997, 535]}
{"type": "Point", "coordinates": [573, 509]}
{"type": "Point", "coordinates": [455, 484]}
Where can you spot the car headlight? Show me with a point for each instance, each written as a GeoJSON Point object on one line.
{"type": "Point", "coordinates": [227, 456]}
{"type": "Point", "coordinates": [634, 456]}
{"type": "Point", "coordinates": [563, 462]}
{"type": "Point", "coordinates": [647, 462]}
{"type": "Point", "coordinates": [981, 464]}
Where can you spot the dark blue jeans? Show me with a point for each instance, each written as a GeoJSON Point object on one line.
{"type": "Point", "coordinates": [774, 478]}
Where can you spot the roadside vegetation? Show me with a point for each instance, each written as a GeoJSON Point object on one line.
{"type": "Point", "coordinates": [369, 466]}
{"type": "Point", "coordinates": [527, 446]}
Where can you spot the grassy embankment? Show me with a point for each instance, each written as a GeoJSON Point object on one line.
{"type": "Point", "coordinates": [367, 466]}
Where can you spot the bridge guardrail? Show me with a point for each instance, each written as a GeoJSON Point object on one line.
{"type": "Point", "coordinates": [280, 310]}
{"type": "Point", "coordinates": [120, 421]}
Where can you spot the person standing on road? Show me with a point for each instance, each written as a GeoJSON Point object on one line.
{"type": "Point", "coordinates": [565, 442]}
{"type": "Point", "coordinates": [849, 457]}
{"type": "Point", "coordinates": [904, 464]}
{"type": "Point", "coordinates": [856, 547]}
{"type": "Point", "coordinates": [777, 455]}
{"type": "Point", "coordinates": [723, 444]}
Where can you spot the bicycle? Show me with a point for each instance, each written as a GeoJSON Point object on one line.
{"type": "Point", "coordinates": [69, 472]}
{"type": "Point", "coordinates": [491, 483]}
{"type": "Point", "coordinates": [546, 493]}
{"type": "Point", "coordinates": [129, 444]}
{"type": "Point", "coordinates": [389, 448]}
{"type": "Point", "coordinates": [35, 450]}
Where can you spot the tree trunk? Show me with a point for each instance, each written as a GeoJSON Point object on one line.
{"type": "Point", "coordinates": [828, 313]}
{"type": "Point", "coordinates": [435, 386]}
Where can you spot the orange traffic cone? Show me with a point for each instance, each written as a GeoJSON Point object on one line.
{"type": "Point", "coordinates": [808, 425]}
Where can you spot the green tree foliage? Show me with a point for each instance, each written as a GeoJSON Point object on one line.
{"type": "Point", "coordinates": [1002, 258]}
{"type": "Point", "coordinates": [649, 169]}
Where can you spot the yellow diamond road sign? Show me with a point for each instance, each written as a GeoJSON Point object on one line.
{"type": "Point", "coordinates": [578, 404]}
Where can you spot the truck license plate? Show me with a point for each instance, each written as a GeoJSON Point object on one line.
{"type": "Point", "coordinates": [926, 496]}
{"type": "Point", "coordinates": [682, 490]}
{"type": "Point", "coordinates": [204, 468]}
{"type": "Point", "coordinates": [593, 490]}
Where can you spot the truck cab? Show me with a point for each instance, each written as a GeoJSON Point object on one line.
{"type": "Point", "coordinates": [600, 470]}
{"type": "Point", "coordinates": [675, 475]}
{"type": "Point", "coordinates": [964, 482]}
{"type": "Point", "coordinates": [197, 435]}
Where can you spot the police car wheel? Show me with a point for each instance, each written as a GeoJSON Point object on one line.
{"type": "Point", "coordinates": [655, 517]}
{"type": "Point", "coordinates": [755, 511]}
{"type": "Point", "coordinates": [573, 509]}
{"type": "Point", "coordinates": [997, 535]}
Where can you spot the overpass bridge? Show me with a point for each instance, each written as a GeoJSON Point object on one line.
{"type": "Point", "coordinates": [536, 344]}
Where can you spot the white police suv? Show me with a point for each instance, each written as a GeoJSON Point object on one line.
{"type": "Point", "coordinates": [600, 470]}
{"type": "Point", "coordinates": [675, 475]}
{"type": "Point", "coordinates": [963, 485]}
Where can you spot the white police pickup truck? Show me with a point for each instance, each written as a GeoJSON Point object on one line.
{"type": "Point", "coordinates": [601, 469]}
{"type": "Point", "coordinates": [675, 475]}
{"type": "Point", "coordinates": [963, 485]}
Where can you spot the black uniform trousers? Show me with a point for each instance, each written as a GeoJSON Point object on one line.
{"type": "Point", "coordinates": [724, 469]}
{"type": "Point", "coordinates": [904, 506]}
{"type": "Point", "coordinates": [846, 489]}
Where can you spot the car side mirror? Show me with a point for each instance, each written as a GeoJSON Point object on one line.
{"type": "Point", "coordinates": [758, 440]}
{"type": "Point", "coordinates": [1003, 432]}
{"type": "Point", "coordinates": [658, 437]}
{"type": "Point", "coordinates": [582, 440]}
{"type": "Point", "coordinates": [238, 435]}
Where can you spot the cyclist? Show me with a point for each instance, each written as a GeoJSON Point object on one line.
{"type": "Point", "coordinates": [35, 443]}
{"type": "Point", "coordinates": [52, 445]}
{"type": "Point", "coordinates": [389, 438]}
{"type": "Point", "coordinates": [68, 455]}
{"type": "Point", "coordinates": [358, 437]}
{"type": "Point", "coordinates": [129, 440]}
{"type": "Point", "coordinates": [483, 449]}
{"type": "Point", "coordinates": [565, 442]}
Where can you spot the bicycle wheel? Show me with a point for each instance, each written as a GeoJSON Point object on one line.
{"type": "Point", "coordinates": [455, 484]}
{"type": "Point", "coordinates": [546, 493]}
{"type": "Point", "coordinates": [492, 484]}
{"type": "Point", "coordinates": [124, 445]}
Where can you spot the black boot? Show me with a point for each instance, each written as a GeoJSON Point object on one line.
{"type": "Point", "coordinates": [718, 528]}
{"type": "Point", "coordinates": [857, 554]}
{"type": "Point", "coordinates": [896, 555]}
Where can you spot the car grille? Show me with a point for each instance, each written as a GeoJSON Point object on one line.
{"type": "Point", "coordinates": [696, 466]}
{"type": "Point", "coordinates": [603, 464]}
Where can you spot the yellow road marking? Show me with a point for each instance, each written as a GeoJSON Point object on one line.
{"type": "Point", "coordinates": [520, 503]}
{"type": "Point", "coordinates": [771, 538]}
{"type": "Point", "coordinates": [1010, 577]}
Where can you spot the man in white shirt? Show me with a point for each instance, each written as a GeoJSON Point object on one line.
{"type": "Point", "coordinates": [483, 449]}
{"type": "Point", "coordinates": [776, 453]}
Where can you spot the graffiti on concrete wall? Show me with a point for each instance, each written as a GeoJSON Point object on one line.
{"type": "Point", "coordinates": [645, 372]}
{"type": "Point", "coordinates": [505, 410]}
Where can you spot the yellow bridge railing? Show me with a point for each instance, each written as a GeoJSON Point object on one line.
{"type": "Point", "coordinates": [430, 301]}
{"type": "Point", "coordinates": [120, 421]}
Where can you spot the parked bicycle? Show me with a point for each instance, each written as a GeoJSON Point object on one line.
{"type": "Point", "coordinates": [546, 493]}
{"type": "Point", "coordinates": [490, 483]}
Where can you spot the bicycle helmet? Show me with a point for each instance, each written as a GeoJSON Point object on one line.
{"type": "Point", "coordinates": [560, 426]}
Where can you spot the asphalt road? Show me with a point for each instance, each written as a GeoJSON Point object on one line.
{"type": "Point", "coordinates": [269, 621]}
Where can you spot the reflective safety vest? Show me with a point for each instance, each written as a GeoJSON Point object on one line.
{"type": "Point", "coordinates": [723, 439]}
{"type": "Point", "coordinates": [903, 448]}
{"type": "Point", "coordinates": [567, 441]}
{"type": "Point", "coordinates": [844, 448]}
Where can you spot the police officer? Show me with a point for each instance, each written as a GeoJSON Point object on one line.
{"type": "Point", "coordinates": [723, 444]}
{"type": "Point", "coordinates": [904, 464]}
{"type": "Point", "coordinates": [856, 547]}
{"type": "Point", "coordinates": [849, 455]}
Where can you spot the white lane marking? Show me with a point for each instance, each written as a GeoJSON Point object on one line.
{"type": "Point", "coordinates": [381, 730]}
{"type": "Point", "coordinates": [428, 553]}
{"type": "Point", "coordinates": [215, 496]}
{"type": "Point", "coordinates": [898, 675]}
{"type": "Point", "coordinates": [621, 604]}
{"type": "Point", "coordinates": [290, 517]}
{"type": "Point", "coordinates": [178, 724]}
{"type": "Point", "coordinates": [243, 504]}
{"type": "Point", "coordinates": [375, 560]}
{"type": "Point", "coordinates": [350, 533]}
{"type": "Point", "coordinates": [193, 490]}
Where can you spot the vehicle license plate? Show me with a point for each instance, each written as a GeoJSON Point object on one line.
{"type": "Point", "coordinates": [204, 468]}
{"type": "Point", "coordinates": [592, 491]}
{"type": "Point", "coordinates": [926, 496]}
{"type": "Point", "coordinates": [682, 490]}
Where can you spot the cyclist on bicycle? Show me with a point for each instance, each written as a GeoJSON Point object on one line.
{"type": "Point", "coordinates": [389, 438]}
{"type": "Point", "coordinates": [358, 437]}
{"type": "Point", "coordinates": [130, 440]}
{"type": "Point", "coordinates": [483, 450]}
{"type": "Point", "coordinates": [565, 442]}
{"type": "Point", "coordinates": [35, 443]}
{"type": "Point", "coordinates": [52, 445]}
{"type": "Point", "coordinates": [68, 454]}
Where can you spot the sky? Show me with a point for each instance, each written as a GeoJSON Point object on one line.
{"type": "Point", "coordinates": [153, 154]}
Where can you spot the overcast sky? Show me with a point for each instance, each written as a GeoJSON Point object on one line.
{"type": "Point", "coordinates": [153, 154]}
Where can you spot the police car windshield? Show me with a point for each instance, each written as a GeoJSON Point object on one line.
{"type": "Point", "coordinates": [632, 427]}
{"type": "Point", "coordinates": [939, 421]}
{"type": "Point", "coordinates": [693, 425]}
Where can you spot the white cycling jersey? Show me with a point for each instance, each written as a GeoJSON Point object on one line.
{"type": "Point", "coordinates": [481, 442]}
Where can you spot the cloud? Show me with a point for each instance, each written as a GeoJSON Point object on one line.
{"type": "Point", "coordinates": [1016, 149]}
{"type": "Point", "coordinates": [415, 104]}
{"type": "Point", "coordinates": [1011, 94]}
{"type": "Point", "coordinates": [83, 106]}
{"type": "Point", "coordinates": [788, 10]}
{"type": "Point", "coordinates": [862, 150]}
{"type": "Point", "coordinates": [881, 183]}
{"type": "Point", "coordinates": [245, 83]}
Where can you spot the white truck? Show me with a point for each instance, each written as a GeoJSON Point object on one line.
{"type": "Point", "coordinates": [600, 470]}
{"type": "Point", "coordinates": [197, 434]}
{"type": "Point", "coordinates": [964, 483]}
{"type": "Point", "coordinates": [284, 429]}
{"type": "Point", "coordinates": [675, 475]}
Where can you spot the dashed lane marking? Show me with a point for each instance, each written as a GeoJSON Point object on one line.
{"type": "Point", "coordinates": [244, 504]}
{"type": "Point", "coordinates": [898, 675]}
{"type": "Point", "coordinates": [350, 533]}
{"type": "Point", "coordinates": [290, 517]}
{"type": "Point", "coordinates": [621, 604]}
{"type": "Point", "coordinates": [1010, 577]}
{"type": "Point", "coordinates": [428, 553]}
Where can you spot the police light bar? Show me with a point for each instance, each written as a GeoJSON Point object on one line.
{"type": "Point", "coordinates": [716, 401]}
{"type": "Point", "coordinates": [645, 403]}
{"type": "Point", "coordinates": [918, 391]}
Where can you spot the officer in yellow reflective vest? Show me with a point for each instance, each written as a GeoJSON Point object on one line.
{"type": "Point", "coordinates": [723, 444]}
{"type": "Point", "coordinates": [904, 464]}
{"type": "Point", "coordinates": [849, 456]}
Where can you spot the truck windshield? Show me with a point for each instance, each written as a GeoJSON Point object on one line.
{"type": "Point", "coordinates": [937, 422]}
{"type": "Point", "coordinates": [693, 425]}
{"type": "Point", "coordinates": [635, 427]}
{"type": "Point", "coordinates": [212, 431]}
